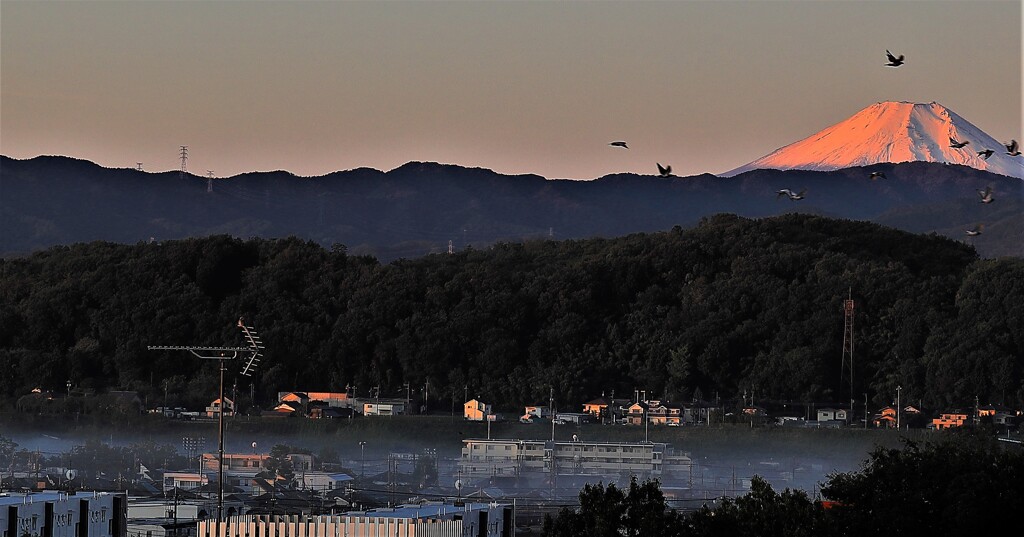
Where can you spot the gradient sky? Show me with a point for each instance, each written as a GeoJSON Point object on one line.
{"type": "Point", "coordinates": [517, 87]}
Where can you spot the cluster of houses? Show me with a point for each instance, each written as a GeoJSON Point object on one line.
{"type": "Point", "coordinates": [638, 411]}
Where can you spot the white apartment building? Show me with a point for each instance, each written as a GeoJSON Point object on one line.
{"type": "Point", "coordinates": [513, 458]}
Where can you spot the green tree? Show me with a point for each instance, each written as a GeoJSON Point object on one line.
{"type": "Point", "coordinates": [607, 511]}
{"type": "Point", "coordinates": [278, 466]}
{"type": "Point", "coordinates": [962, 484]}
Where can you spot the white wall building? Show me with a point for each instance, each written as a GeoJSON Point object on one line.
{"type": "Point", "coordinates": [62, 514]}
{"type": "Point", "coordinates": [510, 458]}
{"type": "Point", "coordinates": [428, 519]}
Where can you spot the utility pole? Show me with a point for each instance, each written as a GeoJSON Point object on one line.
{"type": "Point", "coordinates": [551, 412]}
{"type": "Point", "coordinates": [865, 411]}
{"type": "Point", "coordinates": [899, 410]}
{"type": "Point", "coordinates": [222, 354]}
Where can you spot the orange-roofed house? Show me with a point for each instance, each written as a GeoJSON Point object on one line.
{"type": "Point", "coordinates": [949, 420]}
{"type": "Point", "coordinates": [215, 408]}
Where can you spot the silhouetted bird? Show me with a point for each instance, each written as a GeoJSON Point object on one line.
{"type": "Point", "coordinates": [792, 195]}
{"type": "Point", "coordinates": [956, 144]}
{"type": "Point", "coordinates": [664, 171]}
{"type": "Point", "coordinates": [976, 231]}
{"type": "Point", "coordinates": [893, 60]}
{"type": "Point", "coordinates": [1012, 149]}
{"type": "Point", "coordinates": [985, 154]}
{"type": "Point", "coordinates": [876, 175]}
{"type": "Point", "coordinates": [619, 144]}
{"type": "Point", "coordinates": [986, 195]}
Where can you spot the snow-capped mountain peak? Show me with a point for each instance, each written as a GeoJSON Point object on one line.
{"type": "Point", "coordinates": [893, 132]}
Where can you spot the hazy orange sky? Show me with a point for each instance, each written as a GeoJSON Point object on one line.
{"type": "Point", "coordinates": [518, 87]}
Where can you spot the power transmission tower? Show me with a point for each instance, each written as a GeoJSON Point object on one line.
{"type": "Point", "coordinates": [138, 166]}
{"type": "Point", "coordinates": [184, 159]}
{"type": "Point", "coordinates": [848, 307]}
{"type": "Point", "coordinates": [451, 249]}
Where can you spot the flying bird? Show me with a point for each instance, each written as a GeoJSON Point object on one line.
{"type": "Point", "coordinates": [619, 144]}
{"type": "Point", "coordinates": [876, 175]}
{"type": "Point", "coordinates": [792, 195]}
{"type": "Point", "coordinates": [954, 143]}
{"type": "Point", "coordinates": [893, 60]}
{"type": "Point", "coordinates": [664, 171]}
{"type": "Point", "coordinates": [986, 195]}
{"type": "Point", "coordinates": [975, 231]}
{"type": "Point", "coordinates": [985, 154]}
{"type": "Point", "coordinates": [1012, 149]}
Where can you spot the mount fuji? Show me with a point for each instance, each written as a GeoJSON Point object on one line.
{"type": "Point", "coordinates": [892, 132]}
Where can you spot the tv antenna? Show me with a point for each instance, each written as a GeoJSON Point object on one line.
{"type": "Point", "coordinates": [221, 354]}
{"type": "Point", "coordinates": [255, 347]}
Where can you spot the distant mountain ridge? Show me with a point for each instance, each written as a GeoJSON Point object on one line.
{"type": "Point", "coordinates": [417, 208]}
{"type": "Point", "coordinates": [892, 132]}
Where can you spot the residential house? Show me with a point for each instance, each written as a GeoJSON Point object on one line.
{"type": "Point", "coordinates": [240, 469]}
{"type": "Point", "coordinates": [537, 411]}
{"type": "Point", "coordinates": [474, 410]}
{"type": "Point", "coordinates": [321, 481]}
{"type": "Point", "coordinates": [636, 413]}
{"type": "Point", "coordinates": [384, 407]}
{"type": "Point", "coordinates": [333, 399]}
{"type": "Point", "coordinates": [573, 418]}
{"type": "Point", "coordinates": [247, 462]}
{"type": "Point", "coordinates": [754, 411]}
{"type": "Point", "coordinates": [949, 420]}
{"type": "Point", "coordinates": [664, 413]}
{"type": "Point", "coordinates": [598, 407]}
{"type": "Point", "coordinates": [832, 414]}
{"type": "Point", "coordinates": [988, 411]}
{"type": "Point", "coordinates": [318, 412]}
{"type": "Point", "coordinates": [287, 408]}
{"type": "Point", "coordinates": [185, 480]}
{"type": "Point", "coordinates": [605, 408]}
{"type": "Point", "coordinates": [1005, 419]}
{"type": "Point", "coordinates": [214, 409]}
{"type": "Point", "coordinates": [698, 412]}
{"type": "Point", "coordinates": [886, 418]}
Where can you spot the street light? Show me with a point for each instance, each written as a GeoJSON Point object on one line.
{"type": "Point", "coordinates": [362, 459]}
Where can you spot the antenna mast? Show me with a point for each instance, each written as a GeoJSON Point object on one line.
{"type": "Point", "coordinates": [221, 354]}
{"type": "Point", "coordinates": [209, 180]}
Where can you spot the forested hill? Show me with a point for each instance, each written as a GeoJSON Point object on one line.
{"type": "Point", "coordinates": [419, 207]}
{"type": "Point", "coordinates": [730, 305]}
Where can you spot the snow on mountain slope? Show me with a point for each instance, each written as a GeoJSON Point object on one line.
{"type": "Point", "coordinates": [892, 132]}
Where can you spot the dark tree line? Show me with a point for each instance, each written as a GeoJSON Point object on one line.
{"type": "Point", "coordinates": [731, 305]}
{"type": "Point", "coordinates": [954, 486]}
